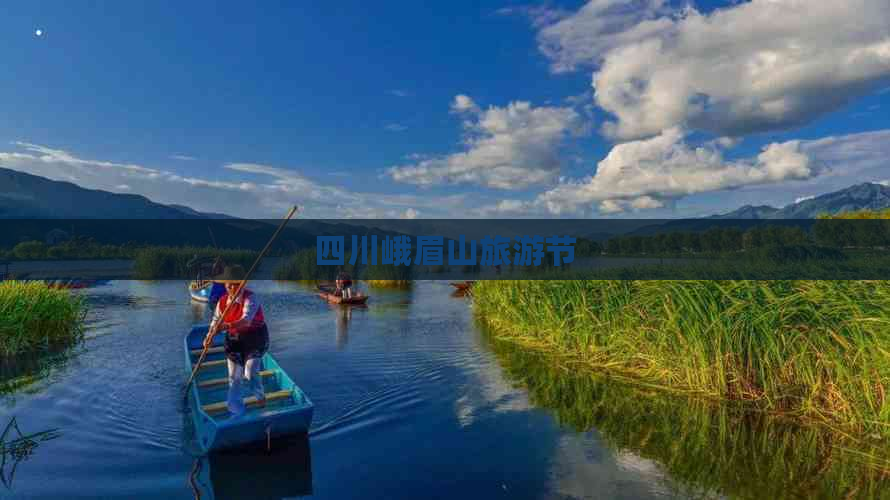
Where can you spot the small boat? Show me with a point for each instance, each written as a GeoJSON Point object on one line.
{"type": "Point", "coordinates": [288, 410]}
{"type": "Point", "coordinates": [332, 298]}
{"type": "Point", "coordinates": [463, 286]}
{"type": "Point", "coordinates": [207, 292]}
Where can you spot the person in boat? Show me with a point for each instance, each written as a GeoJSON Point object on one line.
{"type": "Point", "coordinates": [344, 286]}
{"type": "Point", "coordinates": [247, 337]}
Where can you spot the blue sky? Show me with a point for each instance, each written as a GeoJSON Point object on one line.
{"type": "Point", "coordinates": [457, 109]}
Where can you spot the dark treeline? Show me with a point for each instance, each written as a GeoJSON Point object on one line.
{"type": "Point", "coordinates": [867, 234]}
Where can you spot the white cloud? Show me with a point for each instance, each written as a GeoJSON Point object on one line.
{"type": "Point", "coordinates": [464, 104]}
{"type": "Point", "coordinates": [804, 198]}
{"type": "Point", "coordinates": [395, 127]}
{"type": "Point", "coordinates": [507, 148]}
{"type": "Point", "coordinates": [885, 182]}
{"type": "Point", "coordinates": [399, 93]}
{"type": "Point", "coordinates": [598, 27]}
{"type": "Point", "coordinates": [755, 66]}
{"type": "Point", "coordinates": [640, 174]}
{"type": "Point", "coordinates": [269, 193]}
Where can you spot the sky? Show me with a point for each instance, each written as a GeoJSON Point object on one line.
{"type": "Point", "coordinates": [461, 109]}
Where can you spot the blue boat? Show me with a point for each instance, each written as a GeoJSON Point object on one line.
{"type": "Point", "coordinates": [206, 291]}
{"type": "Point", "coordinates": [288, 410]}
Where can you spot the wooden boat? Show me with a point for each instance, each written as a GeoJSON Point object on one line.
{"type": "Point", "coordinates": [332, 298]}
{"type": "Point", "coordinates": [462, 286]}
{"type": "Point", "coordinates": [288, 410]}
{"type": "Point", "coordinates": [207, 292]}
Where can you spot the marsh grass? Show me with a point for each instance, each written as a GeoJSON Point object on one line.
{"type": "Point", "coordinates": [812, 350]}
{"type": "Point", "coordinates": [169, 262]}
{"type": "Point", "coordinates": [34, 317]}
{"type": "Point", "coordinates": [706, 449]}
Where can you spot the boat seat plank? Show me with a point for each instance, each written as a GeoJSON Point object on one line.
{"type": "Point", "coordinates": [251, 401]}
{"type": "Point", "coordinates": [212, 350]}
{"type": "Point", "coordinates": [223, 381]}
{"type": "Point", "coordinates": [212, 364]}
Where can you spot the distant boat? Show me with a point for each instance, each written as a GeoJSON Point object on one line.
{"type": "Point", "coordinates": [462, 286]}
{"type": "Point", "coordinates": [332, 298]}
{"type": "Point", "coordinates": [207, 292]}
{"type": "Point", "coordinates": [288, 410]}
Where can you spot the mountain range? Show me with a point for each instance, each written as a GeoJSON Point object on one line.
{"type": "Point", "coordinates": [26, 196]}
{"type": "Point", "coordinates": [865, 196]}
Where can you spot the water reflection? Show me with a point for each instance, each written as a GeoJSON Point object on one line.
{"type": "Point", "coordinates": [705, 449]}
{"type": "Point", "coordinates": [24, 373]}
{"type": "Point", "coordinates": [343, 317]}
{"type": "Point", "coordinates": [283, 472]}
{"type": "Point", "coordinates": [17, 447]}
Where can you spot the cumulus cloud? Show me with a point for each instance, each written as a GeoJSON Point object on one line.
{"type": "Point", "coordinates": [268, 192]}
{"type": "Point", "coordinates": [642, 174]}
{"type": "Point", "coordinates": [585, 37]}
{"type": "Point", "coordinates": [395, 127]}
{"type": "Point", "coordinates": [464, 104]}
{"type": "Point", "coordinates": [754, 66]}
{"type": "Point", "coordinates": [513, 147]}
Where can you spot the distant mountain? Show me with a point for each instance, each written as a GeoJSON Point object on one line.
{"type": "Point", "coordinates": [749, 212]}
{"type": "Point", "coordinates": [29, 196]}
{"type": "Point", "coordinates": [865, 196]}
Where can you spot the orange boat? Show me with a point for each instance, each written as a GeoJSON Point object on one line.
{"type": "Point", "coordinates": [463, 287]}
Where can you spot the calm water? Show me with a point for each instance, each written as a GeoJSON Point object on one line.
{"type": "Point", "coordinates": [412, 401]}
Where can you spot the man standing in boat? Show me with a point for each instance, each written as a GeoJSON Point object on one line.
{"type": "Point", "coordinates": [247, 337]}
{"type": "Point", "coordinates": [343, 285]}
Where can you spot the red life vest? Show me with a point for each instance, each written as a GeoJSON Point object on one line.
{"type": "Point", "coordinates": [237, 311]}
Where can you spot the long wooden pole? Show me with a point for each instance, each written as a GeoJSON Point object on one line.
{"type": "Point", "coordinates": [215, 327]}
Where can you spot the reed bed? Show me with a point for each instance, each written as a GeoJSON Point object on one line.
{"type": "Point", "coordinates": [34, 317]}
{"type": "Point", "coordinates": [401, 284]}
{"type": "Point", "coordinates": [812, 350]}
{"type": "Point", "coordinates": [172, 262]}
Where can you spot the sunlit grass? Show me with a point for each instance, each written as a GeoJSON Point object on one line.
{"type": "Point", "coordinates": [32, 317]}
{"type": "Point", "coordinates": [814, 350]}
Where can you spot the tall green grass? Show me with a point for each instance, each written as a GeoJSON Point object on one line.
{"type": "Point", "coordinates": [168, 262]}
{"type": "Point", "coordinates": [34, 317]}
{"type": "Point", "coordinates": [705, 449]}
{"type": "Point", "coordinates": [814, 350]}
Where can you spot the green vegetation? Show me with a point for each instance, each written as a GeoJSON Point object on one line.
{"type": "Point", "coordinates": [167, 262]}
{"type": "Point", "coordinates": [813, 350]}
{"type": "Point", "coordinates": [75, 248]}
{"type": "Point", "coordinates": [33, 317]}
{"type": "Point", "coordinates": [707, 449]}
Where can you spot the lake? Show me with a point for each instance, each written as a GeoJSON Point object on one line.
{"type": "Point", "coordinates": [412, 400]}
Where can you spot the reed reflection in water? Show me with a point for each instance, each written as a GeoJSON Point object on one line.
{"type": "Point", "coordinates": [706, 449]}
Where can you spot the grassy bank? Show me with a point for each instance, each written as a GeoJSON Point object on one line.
{"type": "Point", "coordinates": [34, 317]}
{"type": "Point", "coordinates": [705, 449]}
{"type": "Point", "coordinates": [814, 350]}
{"type": "Point", "coordinates": [169, 262]}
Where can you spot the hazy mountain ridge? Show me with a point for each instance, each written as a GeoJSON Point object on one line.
{"type": "Point", "coordinates": [865, 196]}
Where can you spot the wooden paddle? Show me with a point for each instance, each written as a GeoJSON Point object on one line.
{"type": "Point", "coordinates": [212, 333]}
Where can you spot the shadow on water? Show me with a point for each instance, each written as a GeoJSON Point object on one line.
{"type": "Point", "coordinates": [17, 447]}
{"type": "Point", "coordinates": [283, 472]}
{"type": "Point", "coordinates": [706, 449]}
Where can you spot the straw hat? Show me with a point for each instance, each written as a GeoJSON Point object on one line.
{"type": "Point", "coordinates": [231, 274]}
